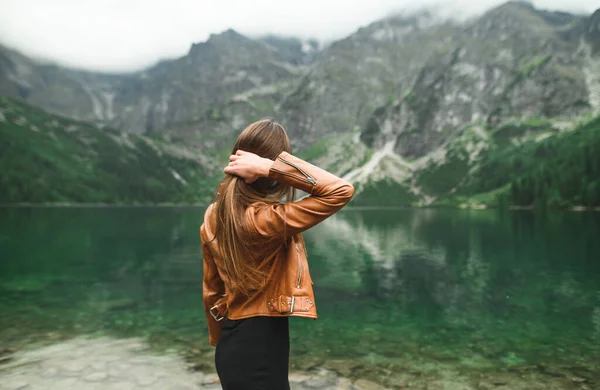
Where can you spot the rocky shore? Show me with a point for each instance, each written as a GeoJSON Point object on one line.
{"type": "Point", "coordinates": [128, 364]}
{"type": "Point", "coordinates": [106, 363]}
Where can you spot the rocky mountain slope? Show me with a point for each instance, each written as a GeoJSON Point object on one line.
{"type": "Point", "coordinates": [212, 80]}
{"type": "Point", "coordinates": [512, 67]}
{"type": "Point", "coordinates": [48, 158]}
{"type": "Point", "coordinates": [390, 106]}
{"type": "Point", "coordinates": [513, 62]}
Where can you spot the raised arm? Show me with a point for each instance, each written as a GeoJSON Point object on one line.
{"type": "Point", "coordinates": [328, 194]}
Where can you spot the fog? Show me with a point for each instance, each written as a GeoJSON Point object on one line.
{"type": "Point", "coordinates": [125, 35]}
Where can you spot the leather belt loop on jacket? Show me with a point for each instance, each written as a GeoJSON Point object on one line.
{"type": "Point", "coordinates": [219, 310]}
{"type": "Point", "coordinates": [288, 304]}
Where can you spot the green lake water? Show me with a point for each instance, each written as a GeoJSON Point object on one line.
{"type": "Point", "coordinates": [429, 288]}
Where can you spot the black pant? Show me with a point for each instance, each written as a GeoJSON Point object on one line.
{"type": "Point", "coordinates": [254, 353]}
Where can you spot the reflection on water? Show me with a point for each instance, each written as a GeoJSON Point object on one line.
{"type": "Point", "coordinates": [471, 289]}
{"type": "Point", "coordinates": [129, 271]}
{"type": "Point", "coordinates": [500, 289]}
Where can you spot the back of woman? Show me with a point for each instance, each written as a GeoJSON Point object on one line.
{"type": "Point", "coordinates": [256, 273]}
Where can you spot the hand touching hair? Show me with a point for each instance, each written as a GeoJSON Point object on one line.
{"type": "Point", "coordinates": [248, 166]}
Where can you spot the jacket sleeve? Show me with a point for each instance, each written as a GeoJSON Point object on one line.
{"type": "Point", "coordinates": [213, 290]}
{"type": "Point", "coordinates": [328, 194]}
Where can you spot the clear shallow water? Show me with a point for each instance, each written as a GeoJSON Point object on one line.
{"type": "Point", "coordinates": [424, 288]}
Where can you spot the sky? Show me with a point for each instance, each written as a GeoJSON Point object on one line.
{"type": "Point", "coordinates": [128, 35]}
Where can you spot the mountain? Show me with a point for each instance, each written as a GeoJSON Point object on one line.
{"type": "Point", "coordinates": [410, 108]}
{"type": "Point", "coordinates": [510, 68]}
{"type": "Point", "coordinates": [512, 63]}
{"type": "Point", "coordinates": [200, 87]}
{"type": "Point", "coordinates": [48, 158]}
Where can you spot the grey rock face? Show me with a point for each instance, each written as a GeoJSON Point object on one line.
{"type": "Point", "coordinates": [196, 87]}
{"type": "Point", "coordinates": [513, 63]}
{"type": "Point", "coordinates": [413, 80]}
{"type": "Point", "coordinates": [356, 75]}
{"type": "Point", "coordinates": [76, 94]}
{"type": "Point", "coordinates": [592, 31]}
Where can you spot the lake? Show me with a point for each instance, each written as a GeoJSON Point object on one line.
{"type": "Point", "coordinates": [418, 291]}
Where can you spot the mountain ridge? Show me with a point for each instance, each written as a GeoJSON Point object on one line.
{"type": "Point", "coordinates": [387, 106]}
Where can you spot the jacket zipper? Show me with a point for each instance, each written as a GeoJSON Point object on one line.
{"type": "Point", "coordinates": [308, 177]}
{"type": "Point", "coordinates": [299, 266]}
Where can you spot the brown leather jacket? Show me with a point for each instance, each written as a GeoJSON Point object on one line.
{"type": "Point", "coordinates": [289, 288]}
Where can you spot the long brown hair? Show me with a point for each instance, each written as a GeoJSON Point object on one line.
{"type": "Point", "coordinates": [267, 139]}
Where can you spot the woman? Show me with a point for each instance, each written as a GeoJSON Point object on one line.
{"type": "Point", "coordinates": [255, 268]}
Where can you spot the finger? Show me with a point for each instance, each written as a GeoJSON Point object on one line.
{"type": "Point", "coordinates": [240, 152]}
{"type": "Point", "coordinates": [233, 157]}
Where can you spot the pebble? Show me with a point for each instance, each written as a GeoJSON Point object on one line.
{"type": "Point", "coordinates": [344, 384]}
{"type": "Point", "coordinates": [364, 384]}
{"type": "Point", "coordinates": [297, 377]}
{"type": "Point", "coordinates": [319, 383]}
{"type": "Point", "coordinates": [95, 377]}
{"type": "Point", "coordinates": [344, 367]}
{"type": "Point", "coordinates": [147, 381]}
{"type": "Point", "coordinates": [397, 381]}
{"type": "Point", "coordinates": [122, 386]}
{"type": "Point", "coordinates": [73, 367]}
{"type": "Point", "coordinates": [99, 366]}
{"type": "Point", "coordinates": [17, 385]}
{"type": "Point", "coordinates": [211, 379]}
{"type": "Point", "coordinates": [50, 373]}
